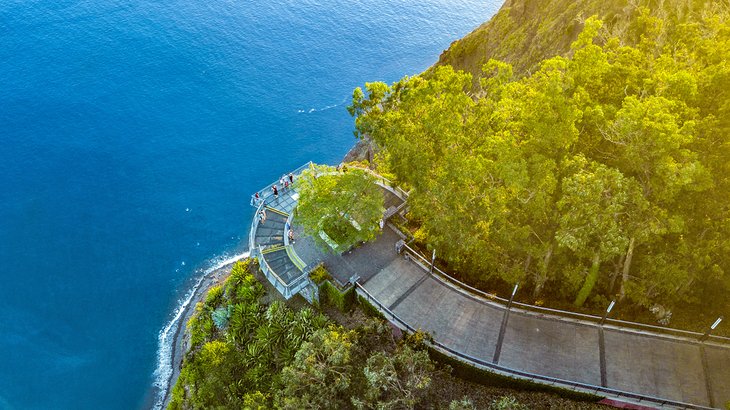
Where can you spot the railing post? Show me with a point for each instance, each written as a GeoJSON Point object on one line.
{"type": "Point", "coordinates": [603, 319]}
{"type": "Point", "coordinates": [712, 327]}
{"type": "Point", "coordinates": [512, 296]}
{"type": "Point", "coordinates": [433, 260]}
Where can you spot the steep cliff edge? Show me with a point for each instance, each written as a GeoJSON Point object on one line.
{"type": "Point", "coordinates": [524, 32]}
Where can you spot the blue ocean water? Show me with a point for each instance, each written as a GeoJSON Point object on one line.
{"type": "Point", "coordinates": [131, 136]}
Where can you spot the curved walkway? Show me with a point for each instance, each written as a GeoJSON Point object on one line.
{"type": "Point", "coordinates": [654, 365]}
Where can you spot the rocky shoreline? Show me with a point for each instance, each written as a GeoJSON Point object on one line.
{"type": "Point", "coordinates": [181, 338]}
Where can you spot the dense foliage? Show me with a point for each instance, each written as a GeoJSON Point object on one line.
{"type": "Point", "coordinates": [339, 208]}
{"type": "Point", "coordinates": [603, 173]}
{"type": "Point", "coordinates": [258, 356]}
{"type": "Point", "coordinates": [525, 32]}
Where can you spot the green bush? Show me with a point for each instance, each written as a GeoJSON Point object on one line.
{"type": "Point", "coordinates": [319, 275]}
{"type": "Point", "coordinates": [239, 346]}
{"type": "Point", "coordinates": [464, 404]}
{"type": "Point", "coordinates": [342, 300]}
{"type": "Point", "coordinates": [507, 403]}
{"type": "Point", "coordinates": [221, 316]}
{"type": "Point", "coordinates": [214, 297]}
{"type": "Point", "coordinates": [200, 326]}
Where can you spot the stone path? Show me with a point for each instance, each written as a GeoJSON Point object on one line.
{"type": "Point", "coordinates": [648, 364]}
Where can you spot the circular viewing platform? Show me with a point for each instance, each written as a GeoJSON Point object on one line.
{"type": "Point", "coordinates": [286, 264]}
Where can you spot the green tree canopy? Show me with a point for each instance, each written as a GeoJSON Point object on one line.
{"type": "Point", "coordinates": [339, 208]}
{"type": "Point", "coordinates": [605, 171]}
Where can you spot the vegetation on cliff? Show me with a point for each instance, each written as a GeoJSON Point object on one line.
{"type": "Point", "coordinates": [602, 173]}
{"type": "Point", "coordinates": [526, 32]}
{"type": "Point", "coordinates": [246, 354]}
{"type": "Point", "coordinates": [249, 354]}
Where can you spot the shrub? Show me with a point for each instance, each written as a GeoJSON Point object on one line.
{"type": "Point", "coordinates": [319, 275]}
{"type": "Point", "coordinates": [342, 300]}
{"type": "Point", "coordinates": [214, 297]}
{"type": "Point", "coordinates": [369, 309]}
{"type": "Point", "coordinates": [221, 315]}
{"type": "Point", "coordinates": [400, 380]}
{"type": "Point", "coordinates": [200, 326]}
{"type": "Point", "coordinates": [507, 403]}
{"type": "Point", "coordinates": [464, 404]}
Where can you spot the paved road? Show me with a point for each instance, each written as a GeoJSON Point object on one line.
{"type": "Point", "coordinates": [654, 365]}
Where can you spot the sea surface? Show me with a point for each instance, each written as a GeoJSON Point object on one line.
{"type": "Point", "coordinates": [132, 134]}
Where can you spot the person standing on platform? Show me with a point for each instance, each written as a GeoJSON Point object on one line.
{"type": "Point", "coordinates": [276, 191]}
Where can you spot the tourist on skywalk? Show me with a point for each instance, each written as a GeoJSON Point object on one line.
{"type": "Point", "coordinates": [291, 236]}
{"type": "Point", "coordinates": [291, 178]}
{"type": "Point", "coordinates": [262, 215]}
{"type": "Point", "coordinates": [276, 191]}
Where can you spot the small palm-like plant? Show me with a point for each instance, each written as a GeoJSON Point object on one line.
{"type": "Point", "coordinates": [221, 316]}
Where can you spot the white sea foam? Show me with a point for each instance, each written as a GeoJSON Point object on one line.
{"type": "Point", "coordinates": [325, 108]}
{"type": "Point", "coordinates": [166, 337]}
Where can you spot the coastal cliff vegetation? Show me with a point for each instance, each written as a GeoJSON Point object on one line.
{"type": "Point", "coordinates": [581, 149]}
{"type": "Point", "coordinates": [249, 354]}
{"type": "Point", "coordinates": [586, 171]}
{"type": "Point", "coordinates": [526, 32]}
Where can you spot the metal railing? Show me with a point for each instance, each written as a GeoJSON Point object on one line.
{"type": "Point", "coordinates": [688, 334]}
{"type": "Point", "coordinates": [521, 374]}
{"type": "Point", "coordinates": [299, 283]}
{"type": "Point", "coordinates": [287, 290]}
{"type": "Point", "coordinates": [385, 183]}
{"type": "Point", "coordinates": [254, 227]}
{"type": "Point", "coordinates": [273, 278]}
{"type": "Point", "coordinates": [266, 191]}
{"type": "Point", "coordinates": [545, 311]}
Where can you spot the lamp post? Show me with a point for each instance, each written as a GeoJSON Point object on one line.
{"type": "Point", "coordinates": [712, 327]}
{"type": "Point", "coordinates": [608, 310]}
{"type": "Point", "coordinates": [512, 296]}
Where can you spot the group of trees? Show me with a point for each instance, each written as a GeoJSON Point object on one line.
{"type": "Point", "coordinates": [606, 172]}
{"type": "Point", "coordinates": [245, 354]}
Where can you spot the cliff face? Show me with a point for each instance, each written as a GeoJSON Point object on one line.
{"type": "Point", "coordinates": [525, 32]}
